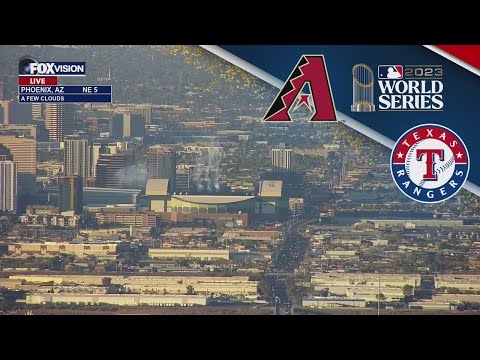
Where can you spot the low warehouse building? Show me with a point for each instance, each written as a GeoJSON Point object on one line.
{"type": "Point", "coordinates": [210, 254]}
{"type": "Point", "coordinates": [120, 299]}
{"type": "Point", "coordinates": [329, 302]}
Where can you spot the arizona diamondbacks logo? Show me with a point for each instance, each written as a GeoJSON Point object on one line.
{"type": "Point", "coordinates": [430, 163]}
{"type": "Point", "coordinates": [307, 85]}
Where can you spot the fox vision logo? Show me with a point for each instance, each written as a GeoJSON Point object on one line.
{"type": "Point", "coordinates": [400, 88]}
{"type": "Point", "coordinates": [308, 86]}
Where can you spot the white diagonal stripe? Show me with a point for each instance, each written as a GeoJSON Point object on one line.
{"type": "Point", "coordinates": [454, 59]}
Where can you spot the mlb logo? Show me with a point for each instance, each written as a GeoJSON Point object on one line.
{"type": "Point", "coordinates": [390, 72]}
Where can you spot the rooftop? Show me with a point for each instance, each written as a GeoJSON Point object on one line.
{"type": "Point", "coordinates": [271, 188]}
{"type": "Point", "coordinates": [157, 187]}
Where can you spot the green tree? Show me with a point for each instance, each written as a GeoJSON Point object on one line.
{"type": "Point", "coordinates": [381, 297]}
{"type": "Point", "coordinates": [190, 290]}
{"type": "Point", "coordinates": [407, 290]}
{"type": "Point", "coordinates": [106, 281]}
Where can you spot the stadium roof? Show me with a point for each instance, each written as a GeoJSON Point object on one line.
{"type": "Point", "coordinates": [111, 190]}
{"type": "Point", "coordinates": [270, 188]}
{"type": "Point", "coordinates": [212, 199]}
{"type": "Point", "coordinates": [157, 187]}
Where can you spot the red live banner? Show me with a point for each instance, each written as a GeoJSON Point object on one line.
{"type": "Point", "coordinates": [36, 80]}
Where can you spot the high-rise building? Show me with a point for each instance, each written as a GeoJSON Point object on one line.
{"type": "Point", "coordinates": [116, 126]}
{"type": "Point", "coordinates": [59, 121]}
{"type": "Point", "coordinates": [97, 150]}
{"type": "Point", "coordinates": [24, 153]}
{"type": "Point", "coordinates": [70, 190]}
{"type": "Point", "coordinates": [38, 111]}
{"type": "Point", "coordinates": [111, 170]}
{"type": "Point", "coordinates": [16, 113]}
{"type": "Point", "coordinates": [145, 110]}
{"type": "Point", "coordinates": [8, 186]}
{"type": "Point", "coordinates": [182, 180]}
{"type": "Point", "coordinates": [282, 158]}
{"type": "Point", "coordinates": [127, 125]}
{"type": "Point", "coordinates": [77, 157]}
{"type": "Point", "coordinates": [162, 163]}
{"type": "Point", "coordinates": [5, 153]}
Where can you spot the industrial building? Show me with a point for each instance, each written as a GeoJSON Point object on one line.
{"type": "Point", "coordinates": [54, 248]}
{"type": "Point", "coordinates": [365, 279]}
{"type": "Point", "coordinates": [458, 281]}
{"type": "Point", "coordinates": [141, 219]}
{"type": "Point", "coordinates": [231, 220]}
{"type": "Point", "coordinates": [201, 254]}
{"type": "Point", "coordinates": [333, 302]}
{"type": "Point", "coordinates": [228, 285]}
{"type": "Point", "coordinates": [120, 299]}
{"type": "Point", "coordinates": [409, 224]}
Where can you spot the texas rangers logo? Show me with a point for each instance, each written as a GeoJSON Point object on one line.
{"type": "Point", "coordinates": [307, 85]}
{"type": "Point", "coordinates": [430, 163]}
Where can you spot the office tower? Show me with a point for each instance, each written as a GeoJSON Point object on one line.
{"type": "Point", "coordinates": [96, 150]}
{"type": "Point", "coordinates": [15, 113]}
{"type": "Point", "coordinates": [59, 121]}
{"type": "Point", "coordinates": [24, 154]}
{"type": "Point", "coordinates": [133, 125]}
{"type": "Point", "coordinates": [116, 126]}
{"type": "Point", "coordinates": [162, 163]}
{"type": "Point", "coordinates": [127, 125]}
{"type": "Point", "coordinates": [38, 111]}
{"type": "Point", "coordinates": [77, 157]}
{"type": "Point", "coordinates": [182, 180]}
{"type": "Point", "coordinates": [282, 158]}
{"type": "Point", "coordinates": [111, 170]}
{"type": "Point", "coordinates": [8, 186]}
{"type": "Point", "coordinates": [70, 191]}
{"type": "Point", "coordinates": [145, 110]}
{"type": "Point", "coordinates": [5, 153]}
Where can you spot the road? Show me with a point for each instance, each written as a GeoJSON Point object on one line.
{"type": "Point", "coordinates": [292, 252]}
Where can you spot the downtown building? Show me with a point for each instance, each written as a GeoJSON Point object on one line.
{"type": "Point", "coordinates": [59, 121]}
{"type": "Point", "coordinates": [12, 112]}
{"type": "Point", "coordinates": [110, 170]}
{"type": "Point", "coordinates": [24, 154]}
{"type": "Point", "coordinates": [70, 193]}
{"type": "Point", "coordinates": [8, 186]}
{"type": "Point", "coordinates": [162, 164]}
{"type": "Point", "coordinates": [77, 157]}
{"type": "Point", "coordinates": [127, 125]}
{"type": "Point", "coordinates": [282, 158]}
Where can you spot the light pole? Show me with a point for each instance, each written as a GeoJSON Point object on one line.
{"type": "Point", "coordinates": [378, 308]}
